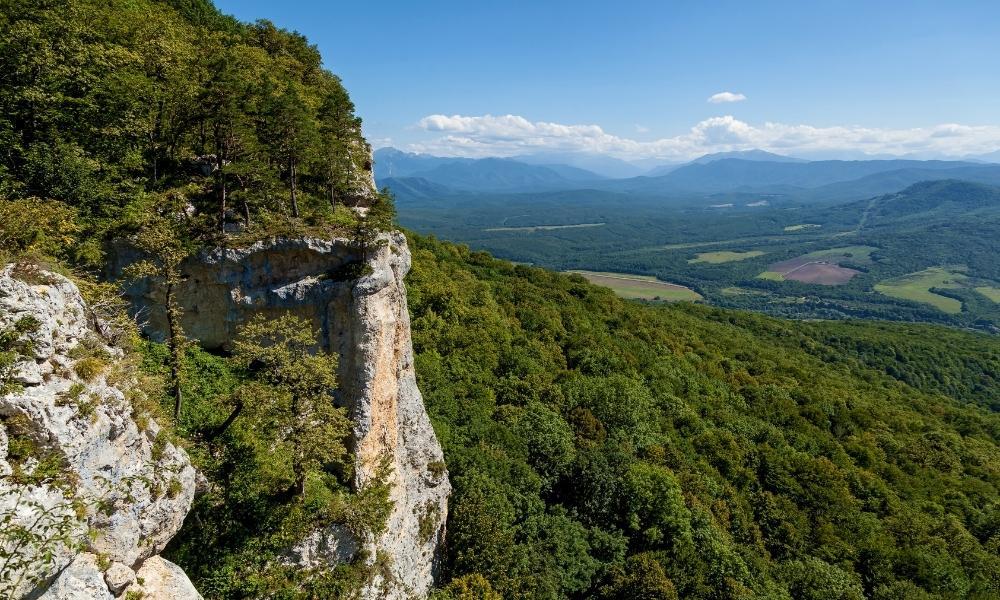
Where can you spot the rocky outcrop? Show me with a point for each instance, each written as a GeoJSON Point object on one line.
{"type": "Point", "coordinates": [90, 488]}
{"type": "Point", "coordinates": [358, 303]}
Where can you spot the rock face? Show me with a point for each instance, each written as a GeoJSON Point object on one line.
{"type": "Point", "coordinates": [365, 320]}
{"type": "Point", "coordinates": [83, 479]}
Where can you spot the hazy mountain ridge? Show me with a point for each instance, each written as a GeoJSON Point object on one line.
{"type": "Point", "coordinates": [483, 174]}
{"type": "Point", "coordinates": [751, 171]}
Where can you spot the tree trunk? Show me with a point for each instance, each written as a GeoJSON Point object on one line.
{"type": "Point", "coordinates": [295, 200]}
{"type": "Point", "coordinates": [246, 212]}
{"type": "Point", "coordinates": [222, 202]}
{"type": "Point", "coordinates": [222, 186]}
{"type": "Point", "coordinates": [154, 152]}
{"type": "Point", "coordinates": [155, 140]}
{"type": "Point", "coordinates": [229, 421]}
{"type": "Point", "coordinates": [176, 351]}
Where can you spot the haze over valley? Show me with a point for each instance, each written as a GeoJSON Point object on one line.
{"type": "Point", "coordinates": [747, 229]}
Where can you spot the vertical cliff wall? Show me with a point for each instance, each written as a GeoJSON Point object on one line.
{"type": "Point", "coordinates": [363, 319]}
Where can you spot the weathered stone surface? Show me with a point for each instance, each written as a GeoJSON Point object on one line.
{"type": "Point", "coordinates": [390, 421]}
{"type": "Point", "coordinates": [329, 546]}
{"type": "Point", "coordinates": [225, 287]}
{"type": "Point", "coordinates": [110, 480]}
{"type": "Point", "coordinates": [365, 320]}
{"type": "Point", "coordinates": [81, 580]}
{"type": "Point", "coordinates": [160, 579]}
{"type": "Point", "coordinates": [118, 577]}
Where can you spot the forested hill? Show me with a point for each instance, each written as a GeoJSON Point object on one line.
{"type": "Point", "coordinates": [943, 200]}
{"type": "Point", "coordinates": [606, 449]}
{"type": "Point", "coordinates": [124, 108]}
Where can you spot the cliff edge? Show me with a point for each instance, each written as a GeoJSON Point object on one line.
{"type": "Point", "coordinates": [357, 300]}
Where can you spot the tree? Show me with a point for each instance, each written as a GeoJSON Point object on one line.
{"type": "Point", "coordinates": [230, 101]}
{"type": "Point", "coordinates": [642, 578]}
{"type": "Point", "coordinates": [375, 219]}
{"type": "Point", "coordinates": [290, 129]}
{"type": "Point", "coordinates": [160, 237]}
{"type": "Point", "coordinates": [338, 127]}
{"type": "Point", "coordinates": [288, 396]}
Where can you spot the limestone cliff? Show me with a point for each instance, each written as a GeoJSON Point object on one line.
{"type": "Point", "coordinates": [358, 303]}
{"type": "Point", "coordinates": [90, 491]}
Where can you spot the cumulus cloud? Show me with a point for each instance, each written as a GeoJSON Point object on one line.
{"type": "Point", "coordinates": [723, 97]}
{"type": "Point", "coordinates": [509, 135]}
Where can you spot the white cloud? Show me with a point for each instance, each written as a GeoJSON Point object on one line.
{"type": "Point", "coordinates": [722, 97]}
{"type": "Point", "coordinates": [641, 128]}
{"type": "Point", "coordinates": [509, 135]}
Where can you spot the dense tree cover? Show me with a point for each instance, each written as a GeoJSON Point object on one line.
{"type": "Point", "coordinates": [936, 360]}
{"type": "Point", "coordinates": [123, 109]}
{"type": "Point", "coordinates": [601, 448]}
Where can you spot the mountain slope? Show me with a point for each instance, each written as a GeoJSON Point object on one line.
{"type": "Point", "coordinates": [480, 175]}
{"type": "Point", "coordinates": [500, 174]}
{"type": "Point", "coordinates": [895, 180]}
{"type": "Point", "coordinates": [731, 174]}
{"type": "Point", "coordinates": [604, 449]}
{"type": "Point", "coordinates": [929, 200]}
{"type": "Point", "coordinates": [415, 188]}
{"type": "Point", "coordinates": [753, 155]}
{"type": "Point", "coordinates": [390, 162]}
{"type": "Point", "coordinates": [605, 166]}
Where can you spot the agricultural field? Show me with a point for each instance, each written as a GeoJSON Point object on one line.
{"type": "Point", "coordinates": [724, 256]}
{"type": "Point", "coordinates": [640, 287]}
{"type": "Point", "coordinates": [917, 287]}
{"type": "Point", "coordinates": [820, 267]}
{"type": "Point", "coordinates": [531, 228]}
{"type": "Point", "coordinates": [990, 292]}
{"type": "Point", "coordinates": [721, 252]}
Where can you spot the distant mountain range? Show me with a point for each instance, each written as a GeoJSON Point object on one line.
{"type": "Point", "coordinates": [991, 157]}
{"type": "Point", "coordinates": [475, 175]}
{"type": "Point", "coordinates": [750, 172]}
{"type": "Point", "coordinates": [733, 174]}
{"type": "Point", "coordinates": [747, 155]}
{"type": "Point", "coordinates": [605, 166]}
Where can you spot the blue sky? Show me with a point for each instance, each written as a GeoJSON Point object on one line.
{"type": "Point", "coordinates": [633, 78]}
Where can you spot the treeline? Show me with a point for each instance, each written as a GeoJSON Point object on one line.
{"type": "Point", "coordinates": [121, 107]}
{"type": "Point", "coordinates": [604, 449]}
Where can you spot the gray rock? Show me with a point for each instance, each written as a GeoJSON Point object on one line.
{"type": "Point", "coordinates": [81, 580]}
{"type": "Point", "coordinates": [160, 579]}
{"type": "Point", "coordinates": [112, 481]}
{"type": "Point", "coordinates": [329, 546]}
{"type": "Point", "coordinates": [118, 577]}
{"type": "Point", "coordinates": [390, 422]}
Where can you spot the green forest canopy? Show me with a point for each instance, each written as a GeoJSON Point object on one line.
{"type": "Point", "coordinates": [122, 108]}
{"type": "Point", "coordinates": [601, 448]}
